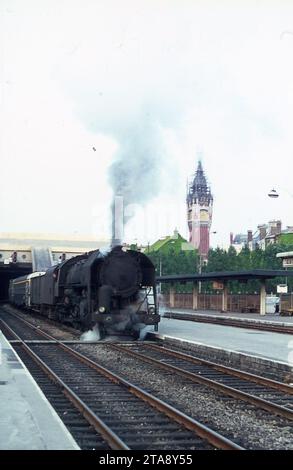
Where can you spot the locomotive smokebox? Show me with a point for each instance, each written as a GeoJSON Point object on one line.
{"type": "Point", "coordinates": [122, 272]}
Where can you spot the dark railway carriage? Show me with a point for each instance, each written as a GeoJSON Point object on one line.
{"type": "Point", "coordinates": [20, 289]}
{"type": "Point", "coordinates": [116, 291]}
{"type": "Point", "coordinates": [35, 290]}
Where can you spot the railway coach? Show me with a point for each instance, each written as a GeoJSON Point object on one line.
{"type": "Point", "coordinates": [20, 289]}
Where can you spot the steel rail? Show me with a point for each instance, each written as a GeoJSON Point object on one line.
{"type": "Point", "coordinates": [233, 392]}
{"type": "Point", "coordinates": [110, 437]}
{"type": "Point", "coordinates": [228, 370]}
{"type": "Point", "coordinates": [189, 423]}
{"type": "Point", "coordinates": [33, 327]}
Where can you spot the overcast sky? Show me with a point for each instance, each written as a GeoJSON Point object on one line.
{"type": "Point", "coordinates": [153, 84]}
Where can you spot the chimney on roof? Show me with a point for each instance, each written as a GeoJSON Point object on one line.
{"type": "Point", "coordinates": [249, 236]}
{"type": "Point", "coordinates": [231, 238]}
{"type": "Point", "coordinates": [275, 227]}
{"type": "Point", "coordinates": [262, 231]}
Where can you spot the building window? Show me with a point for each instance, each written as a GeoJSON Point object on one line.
{"type": "Point", "coordinates": [23, 256]}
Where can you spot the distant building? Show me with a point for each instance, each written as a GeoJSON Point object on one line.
{"type": "Point", "coordinates": [173, 242]}
{"type": "Point", "coordinates": [19, 247]}
{"type": "Point", "coordinates": [238, 241]}
{"type": "Point", "coordinates": [265, 235]}
{"type": "Point", "coordinates": [199, 212]}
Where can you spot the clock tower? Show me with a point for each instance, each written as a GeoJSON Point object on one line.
{"type": "Point", "coordinates": [199, 212]}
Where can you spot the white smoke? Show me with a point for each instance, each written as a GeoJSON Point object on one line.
{"type": "Point", "coordinates": [126, 82]}
{"type": "Point", "coordinates": [135, 172]}
{"type": "Point", "coordinates": [161, 305]}
{"type": "Point", "coordinates": [91, 335]}
{"type": "Point", "coordinates": [144, 331]}
{"type": "Point", "coordinates": [104, 250]}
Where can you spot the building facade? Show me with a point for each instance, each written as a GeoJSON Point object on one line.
{"type": "Point", "coordinates": [20, 247]}
{"type": "Point", "coordinates": [265, 235]}
{"type": "Point", "coordinates": [199, 212]}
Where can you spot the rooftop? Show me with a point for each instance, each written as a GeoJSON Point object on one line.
{"type": "Point", "coordinates": [228, 275]}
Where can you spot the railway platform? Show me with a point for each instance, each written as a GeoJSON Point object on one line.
{"type": "Point", "coordinates": [265, 345]}
{"type": "Point", "coordinates": [244, 317]}
{"type": "Point", "coordinates": [27, 420]}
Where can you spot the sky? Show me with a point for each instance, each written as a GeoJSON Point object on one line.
{"type": "Point", "coordinates": [95, 91]}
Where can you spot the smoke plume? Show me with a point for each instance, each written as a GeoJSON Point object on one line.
{"type": "Point", "coordinates": [131, 82]}
{"type": "Point", "coordinates": [135, 173]}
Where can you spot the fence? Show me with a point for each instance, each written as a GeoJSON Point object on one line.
{"type": "Point", "coordinates": [286, 301]}
{"type": "Point", "coordinates": [236, 302]}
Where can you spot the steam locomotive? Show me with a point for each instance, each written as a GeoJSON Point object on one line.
{"type": "Point", "coordinates": [115, 291]}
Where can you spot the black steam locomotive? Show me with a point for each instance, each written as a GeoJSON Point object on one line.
{"type": "Point", "coordinates": [115, 291]}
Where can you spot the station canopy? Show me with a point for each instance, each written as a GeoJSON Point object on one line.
{"type": "Point", "coordinates": [261, 274]}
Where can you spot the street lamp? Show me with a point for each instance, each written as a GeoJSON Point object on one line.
{"type": "Point", "coordinates": [273, 194]}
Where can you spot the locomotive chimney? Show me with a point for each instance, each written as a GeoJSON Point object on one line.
{"type": "Point", "coordinates": [117, 221]}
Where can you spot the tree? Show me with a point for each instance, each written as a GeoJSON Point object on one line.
{"type": "Point", "coordinates": [174, 260]}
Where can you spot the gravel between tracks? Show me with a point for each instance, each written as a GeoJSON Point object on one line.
{"type": "Point", "coordinates": [57, 331]}
{"type": "Point", "coordinates": [238, 421]}
{"type": "Point", "coordinates": [250, 428]}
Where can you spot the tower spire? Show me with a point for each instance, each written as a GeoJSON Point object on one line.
{"type": "Point", "coordinates": [199, 211]}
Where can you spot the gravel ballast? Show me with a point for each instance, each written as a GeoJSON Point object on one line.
{"type": "Point", "coordinates": [241, 422]}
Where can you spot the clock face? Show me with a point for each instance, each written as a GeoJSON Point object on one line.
{"type": "Point", "coordinates": [204, 215]}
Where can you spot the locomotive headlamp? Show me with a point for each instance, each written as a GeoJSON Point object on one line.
{"type": "Point", "coordinates": [102, 309]}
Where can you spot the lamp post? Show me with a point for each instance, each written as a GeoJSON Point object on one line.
{"type": "Point", "coordinates": [273, 194]}
{"type": "Point", "coordinates": [160, 271]}
{"type": "Point", "coordinates": [201, 264]}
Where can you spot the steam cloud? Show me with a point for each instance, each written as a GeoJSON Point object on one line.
{"type": "Point", "coordinates": [91, 335]}
{"type": "Point", "coordinates": [133, 88]}
{"type": "Point", "coordinates": [135, 172]}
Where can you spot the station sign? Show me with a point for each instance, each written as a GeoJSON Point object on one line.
{"type": "Point", "coordinates": [282, 288]}
{"type": "Point", "coordinates": [288, 262]}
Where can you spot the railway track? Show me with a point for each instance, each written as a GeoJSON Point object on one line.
{"type": "Point", "coordinates": [12, 323]}
{"type": "Point", "coordinates": [58, 330]}
{"type": "Point", "coordinates": [230, 322]}
{"type": "Point", "coordinates": [102, 409]}
{"type": "Point", "coordinates": [267, 394]}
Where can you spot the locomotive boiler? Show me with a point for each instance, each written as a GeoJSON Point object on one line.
{"type": "Point", "coordinates": [115, 291]}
